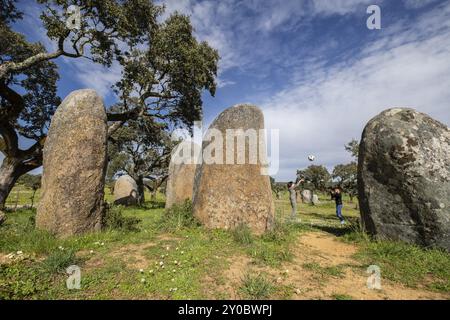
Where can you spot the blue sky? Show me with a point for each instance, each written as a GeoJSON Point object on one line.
{"type": "Point", "coordinates": [313, 67]}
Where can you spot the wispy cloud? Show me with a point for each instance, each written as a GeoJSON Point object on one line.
{"type": "Point", "coordinates": [328, 107]}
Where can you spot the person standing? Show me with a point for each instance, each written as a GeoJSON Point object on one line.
{"type": "Point", "coordinates": [293, 197]}
{"type": "Point", "coordinates": [337, 195]}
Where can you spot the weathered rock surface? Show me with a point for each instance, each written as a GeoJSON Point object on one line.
{"type": "Point", "coordinates": [180, 183]}
{"type": "Point", "coordinates": [315, 200]}
{"type": "Point", "coordinates": [306, 196]}
{"type": "Point", "coordinates": [74, 167]}
{"type": "Point", "coordinates": [228, 195]}
{"type": "Point", "coordinates": [404, 178]}
{"type": "Point", "coordinates": [125, 191]}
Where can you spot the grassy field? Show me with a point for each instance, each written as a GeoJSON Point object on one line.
{"type": "Point", "coordinates": [170, 256]}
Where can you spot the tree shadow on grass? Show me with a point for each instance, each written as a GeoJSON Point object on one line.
{"type": "Point", "coordinates": [336, 231]}
{"type": "Point", "coordinates": [156, 204]}
{"type": "Point", "coordinates": [339, 230]}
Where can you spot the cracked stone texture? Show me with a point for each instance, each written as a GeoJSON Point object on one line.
{"type": "Point", "coordinates": [180, 183]}
{"type": "Point", "coordinates": [74, 167]}
{"type": "Point", "coordinates": [125, 191]}
{"type": "Point", "coordinates": [228, 195]}
{"type": "Point", "coordinates": [404, 178]}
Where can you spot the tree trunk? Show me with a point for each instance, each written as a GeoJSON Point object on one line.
{"type": "Point", "coordinates": [12, 169]}
{"type": "Point", "coordinates": [32, 198]}
{"type": "Point", "coordinates": [141, 194]}
{"type": "Point", "coordinates": [9, 173]}
{"type": "Point", "coordinates": [154, 194]}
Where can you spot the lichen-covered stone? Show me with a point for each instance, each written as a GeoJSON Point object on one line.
{"type": "Point", "coordinates": [404, 178]}
{"type": "Point", "coordinates": [180, 183]}
{"type": "Point", "coordinates": [125, 191]}
{"type": "Point", "coordinates": [74, 162]}
{"type": "Point", "coordinates": [228, 195]}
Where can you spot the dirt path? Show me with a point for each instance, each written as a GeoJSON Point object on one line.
{"type": "Point", "coordinates": [323, 268]}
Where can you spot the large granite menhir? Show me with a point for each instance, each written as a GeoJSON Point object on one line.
{"type": "Point", "coordinates": [180, 183]}
{"type": "Point", "coordinates": [73, 180]}
{"type": "Point", "coordinates": [228, 195]}
{"type": "Point", "coordinates": [404, 178]}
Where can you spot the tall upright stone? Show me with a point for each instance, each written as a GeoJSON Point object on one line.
{"type": "Point", "coordinates": [125, 191]}
{"type": "Point", "coordinates": [228, 191]}
{"type": "Point", "coordinates": [180, 183]}
{"type": "Point", "coordinates": [404, 178]}
{"type": "Point", "coordinates": [307, 196]}
{"type": "Point", "coordinates": [72, 198]}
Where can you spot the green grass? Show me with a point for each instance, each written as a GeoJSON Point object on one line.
{"type": "Point", "coordinates": [409, 264]}
{"type": "Point", "coordinates": [334, 271]}
{"type": "Point", "coordinates": [194, 258]}
{"type": "Point", "coordinates": [256, 287]}
{"type": "Point", "coordinates": [178, 217]}
{"type": "Point", "coordinates": [243, 235]}
{"type": "Point", "coordinates": [59, 260]}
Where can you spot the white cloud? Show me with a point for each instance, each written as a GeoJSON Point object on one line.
{"type": "Point", "coordinates": [410, 67]}
{"type": "Point", "coordinates": [416, 4]}
{"type": "Point", "coordinates": [340, 7]}
{"type": "Point", "coordinates": [95, 76]}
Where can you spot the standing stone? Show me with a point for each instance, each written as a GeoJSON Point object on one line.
{"type": "Point", "coordinates": [315, 200]}
{"type": "Point", "coordinates": [306, 196]}
{"type": "Point", "coordinates": [180, 183]}
{"type": "Point", "coordinates": [73, 177]}
{"type": "Point", "coordinates": [228, 195]}
{"type": "Point", "coordinates": [404, 178]}
{"type": "Point", "coordinates": [125, 191]}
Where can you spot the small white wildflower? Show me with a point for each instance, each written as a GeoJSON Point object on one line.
{"type": "Point", "coordinates": [176, 248]}
{"type": "Point", "coordinates": [174, 270]}
{"type": "Point", "coordinates": [182, 252]}
{"type": "Point", "coordinates": [175, 289]}
{"type": "Point", "coordinates": [151, 271]}
{"type": "Point", "coordinates": [141, 270]}
{"type": "Point", "coordinates": [102, 244]}
{"type": "Point", "coordinates": [161, 263]}
{"type": "Point", "coordinates": [91, 252]}
{"type": "Point", "coordinates": [167, 248]}
{"type": "Point", "coordinates": [173, 280]}
{"type": "Point", "coordinates": [19, 253]}
{"type": "Point", "coordinates": [143, 280]}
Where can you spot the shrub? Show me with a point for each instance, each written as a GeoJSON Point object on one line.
{"type": "Point", "coordinates": [115, 220]}
{"type": "Point", "coordinates": [256, 287]}
{"type": "Point", "coordinates": [178, 217]}
{"type": "Point", "coordinates": [242, 234]}
{"type": "Point", "coordinates": [59, 260]}
{"type": "Point", "coordinates": [279, 233]}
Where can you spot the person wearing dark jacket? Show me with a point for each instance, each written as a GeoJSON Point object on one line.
{"type": "Point", "coordinates": [337, 196]}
